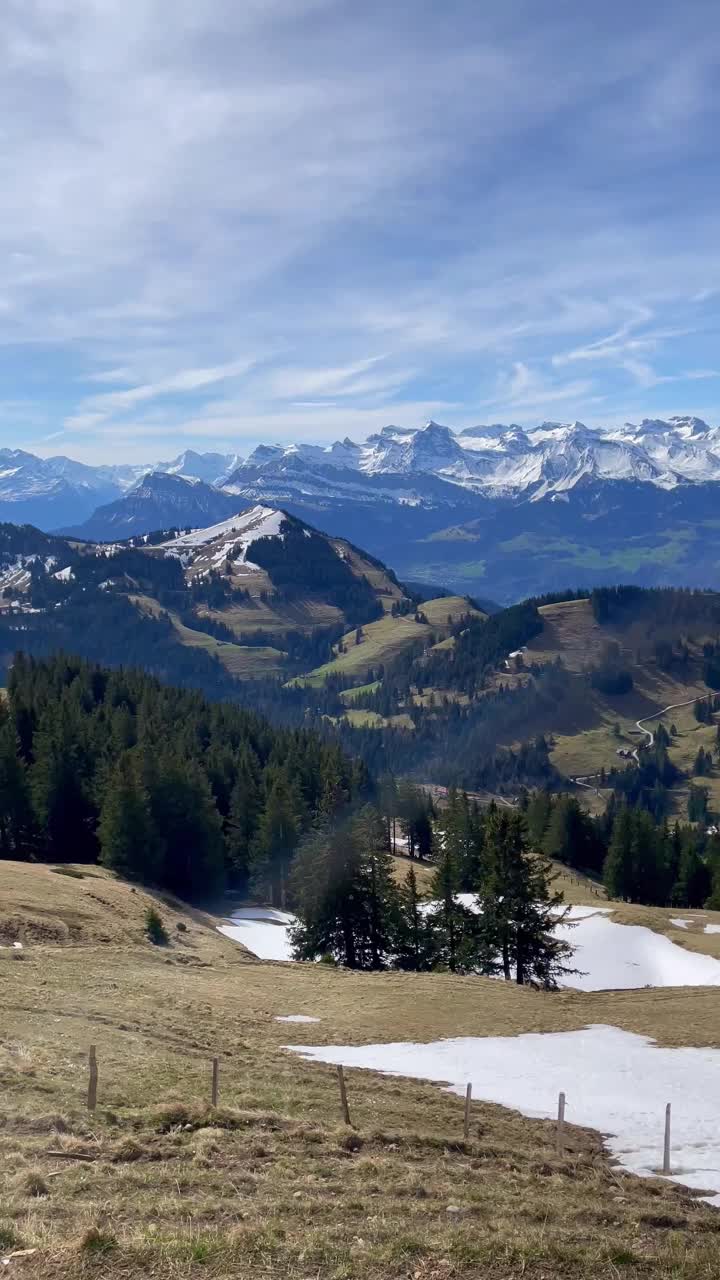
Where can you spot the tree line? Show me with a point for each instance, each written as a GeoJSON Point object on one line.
{"type": "Point", "coordinates": [490, 908]}
{"type": "Point", "coordinates": [157, 783]}
{"type": "Point", "coordinates": [638, 858]}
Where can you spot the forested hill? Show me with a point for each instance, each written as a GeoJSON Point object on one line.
{"type": "Point", "coordinates": [260, 595]}
{"type": "Point", "coordinates": [157, 783]}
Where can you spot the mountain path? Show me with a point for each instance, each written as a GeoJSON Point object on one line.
{"type": "Point", "coordinates": [584, 780]}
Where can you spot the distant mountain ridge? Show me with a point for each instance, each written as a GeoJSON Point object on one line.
{"type": "Point", "coordinates": [57, 491]}
{"type": "Point", "coordinates": [495, 510]}
{"type": "Point", "coordinates": [506, 461]}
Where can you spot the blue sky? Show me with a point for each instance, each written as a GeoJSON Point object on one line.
{"type": "Point", "coordinates": [304, 219]}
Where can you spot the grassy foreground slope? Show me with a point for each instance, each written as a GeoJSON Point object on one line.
{"type": "Point", "coordinates": [157, 1183]}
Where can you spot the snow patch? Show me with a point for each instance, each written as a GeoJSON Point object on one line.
{"type": "Point", "coordinates": [680, 924]}
{"type": "Point", "coordinates": [712, 928]}
{"type": "Point", "coordinates": [616, 1082]}
{"type": "Point", "coordinates": [296, 1017]}
{"type": "Point", "coordinates": [264, 931]}
{"type": "Point", "coordinates": [609, 956]}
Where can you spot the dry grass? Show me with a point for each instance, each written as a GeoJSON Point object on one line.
{"type": "Point", "coordinates": [382, 640]}
{"type": "Point", "coordinates": [387, 637]}
{"type": "Point", "coordinates": [243, 661]}
{"type": "Point", "coordinates": [438, 611]}
{"type": "Point", "coordinates": [271, 1184]}
{"type": "Point", "coordinates": [299, 615]}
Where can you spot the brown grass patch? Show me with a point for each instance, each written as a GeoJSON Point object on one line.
{"type": "Point", "coordinates": [271, 1182]}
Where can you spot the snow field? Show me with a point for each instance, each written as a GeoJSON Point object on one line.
{"type": "Point", "coordinates": [615, 1081]}
{"type": "Point", "coordinates": [263, 930]}
{"type": "Point", "coordinates": [609, 956]}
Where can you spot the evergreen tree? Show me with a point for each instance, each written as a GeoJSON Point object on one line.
{"type": "Point", "coordinates": [276, 841]}
{"type": "Point", "coordinates": [61, 792]}
{"type": "Point", "coordinates": [637, 866]}
{"type": "Point", "coordinates": [343, 895]}
{"type": "Point", "coordinates": [185, 816]}
{"type": "Point", "coordinates": [618, 870]}
{"type": "Point", "coordinates": [537, 817]}
{"type": "Point", "coordinates": [570, 836]}
{"type": "Point", "coordinates": [697, 804]}
{"type": "Point", "coordinates": [16, 821]}
{"type": "Point", "coordinates": [377, 888]}
{"type": "Point", "coordinates": [448, 918]}
{"type": "Point", "coordinates": [128, 840]}
{"type": "Point", "coordinates": [242, 819]}
{"type": "Point", "coordinates": [693, 883]}
{"type": "Point", "coordinates": [520, 911]}
{"type": "Point", "coordinates": [414, 943]}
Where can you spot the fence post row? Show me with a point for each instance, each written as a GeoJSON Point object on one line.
{"type": "Point", "coordinates": [559, 1131]}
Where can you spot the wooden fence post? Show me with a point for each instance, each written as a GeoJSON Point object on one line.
{"type": "Point", "coordinates": [343, 1096]}
{"type": "Point", "coordinates": [666, 1146]}
{"type": "Point", "coordinates": [468, 1100]}
{"type": "Point", "coordinates": [560, 1124]}
{"type": "Point", "coordinates": [215, 1080]}
{"type": "Point", "coordinates": [93, 1081]}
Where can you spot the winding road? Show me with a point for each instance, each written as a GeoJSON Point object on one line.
{"type": "Point", "coordinates": [586, 779]}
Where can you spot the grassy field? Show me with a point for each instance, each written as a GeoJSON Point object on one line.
{"type": "Point", "coordinates": [243, 661]}
{"type": "Point", "coordinates": [382, 640]}
{"type": "Point", "coordinates": [588, 734]}
{"type": "Point", "coordinates": [265, 615]}
{"type": "Point", "coordinates": [387, 637]}
{"type": "Point", "coordinates": [158, 1183]}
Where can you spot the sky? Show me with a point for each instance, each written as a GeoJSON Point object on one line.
{"type": "Point", "coordinates": [225, 224]}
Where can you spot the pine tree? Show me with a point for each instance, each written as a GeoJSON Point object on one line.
{"type": "Point", "coordinates": [190, 828]}
{"type": "Point", "coordinates": [638, 862]}
{"type": "Point", "coordinates": [520, 912]}
{"type": "Point", "coordinates": [570, 837]}
{"type": "Point", "coordinates": [61, 792]}
{"type": "Point", "coordinates": [693, 883]}
{"type": "Point", "coordinates": [344, 896]}
{"type": "Point", "coordinates": [276, 841]}
{"type": "Point", "coordinates": [697, 803]}
{"type": "Point", "coordinates": [242, 819]}
{"type": "Point", "coordinates": [128, 840]}
{"type": "Point", "coordinates": [16, 821]}
{"type": "Point", "coordinates": [537, 817]}
{"type": "Point", "coordinates": [453, 924]}
{"type": "Point", "coordinates": [414, 944]}
{"type": "Point", "coordinates": [618, 870]}
{"type": "Point", "coordinates": [377, 887]}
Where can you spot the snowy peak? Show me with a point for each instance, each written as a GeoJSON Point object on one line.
{"type": "Point", "coordinates": [213, 468]}
{"type": "Point", "coordinates": [502, 461]}
{"type": "Point", "coordinates": [229, 539]}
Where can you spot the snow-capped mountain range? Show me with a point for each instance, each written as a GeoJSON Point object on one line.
{"type": "Point", "coordinates": [496, 460]}
{"type": "Point", "coordinates": [50, 492]}
{"type": "Point", "coordinates": [496, 510]}
{"type": "Point", "coordinates": [507, 461]}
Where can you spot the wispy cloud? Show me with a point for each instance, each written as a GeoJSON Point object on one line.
{"type": "Point", "coordinates": [186, 380]}
{"type": "Point", "coordinates": [384, 217]}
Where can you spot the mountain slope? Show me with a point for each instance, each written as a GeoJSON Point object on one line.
{"type": "Point", "coordinates": [159, 501]}
{"type": "Point", "coordinates": [257, 594]}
